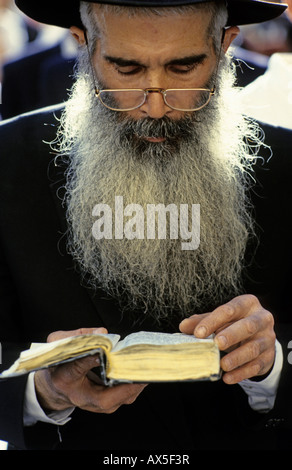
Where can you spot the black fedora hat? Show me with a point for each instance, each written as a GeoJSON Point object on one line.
{"type": "Point", "coordinates": [65, 13]}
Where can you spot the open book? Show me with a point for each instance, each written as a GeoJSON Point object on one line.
{"type": "Point", "coordinates": [140, 357]}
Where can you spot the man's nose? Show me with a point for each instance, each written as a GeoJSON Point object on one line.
{"type": "Point", "coordinates": [154, 105]}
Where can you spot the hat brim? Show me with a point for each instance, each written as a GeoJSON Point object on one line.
{"type": "Point", "coordinates": [65, 13]}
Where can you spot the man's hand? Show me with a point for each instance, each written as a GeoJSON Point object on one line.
{"type": "Point", "coordinates": [67, 385]}
{"type": "Point", "coordinates": [244, 330]}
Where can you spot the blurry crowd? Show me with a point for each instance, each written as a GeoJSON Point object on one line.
{"type": "Point", "coordinates": [37, 65]}
{"type": "Point", "coordinates": [36, 62]}
{"type": "Point", "coordinates": [264, 69]}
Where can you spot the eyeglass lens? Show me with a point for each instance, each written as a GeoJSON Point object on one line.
{"type": "Point", "coordinates": [122, 99]}
{"type": "Point", "coordinates": [187, 99]}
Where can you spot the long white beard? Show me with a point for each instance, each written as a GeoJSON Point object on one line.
{"type": "Point", "coordinates": [208, 165]}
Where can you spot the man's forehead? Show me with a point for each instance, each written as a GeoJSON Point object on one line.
{"type": "Point", "coordinates": [151, 30]}
{"type": "Point", "coordinates": [104, 15]}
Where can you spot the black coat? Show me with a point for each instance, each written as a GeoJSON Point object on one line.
{"type": "Point", "coordinates": [41, 78]}
{"type": "Point", "coordinates": [41, 292]}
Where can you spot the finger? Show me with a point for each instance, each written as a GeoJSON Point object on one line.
{"type": "Point", "coordinates": [188, 325]}
{"type": "Point", "coordinates": [114, 397]}
{"type": "Point", "coordinates": [245, 328]}
{"type": "Point", "coordinates": [260, 366]}
{"type": "Point", "coordinates": [207, 323]}
{"type": "Point", "coordinates": [226, 314]}
{"type": "Point", "coordinates": [85, 393]}
{"type": "Point", "coordinates": [71, 372]}
{"type": "Point", "coordinates": [246, 353]}
{"type": "Point", "coordinates": [101, 399]}
{"type": "Point", "coordinates": [56, 335]}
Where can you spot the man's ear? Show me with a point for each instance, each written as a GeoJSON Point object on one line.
{"type": "Point", "coordinates": [230, 34]}
{"type": "Point", "coordinates": [78, 34]}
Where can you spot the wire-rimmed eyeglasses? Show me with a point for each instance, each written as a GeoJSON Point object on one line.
{"type": "Point", "coordinates": [180, 99]}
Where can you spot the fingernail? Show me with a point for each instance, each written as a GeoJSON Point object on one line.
{"type": "Point", "coordinates": [186, 320]}
{"type": "Point", "coordinates": [221, 341]}
{"type": "Point", "coordinates": [227, 364]}
{"type": "Point", "coordinates": [99, 331]}
{"type": "Point", "coordinates": [228, 378]}
{"type": "Point", "coordinates": [201, 331]}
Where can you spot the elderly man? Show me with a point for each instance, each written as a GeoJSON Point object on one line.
{"type": "Point", "coordinates": [153, 118]}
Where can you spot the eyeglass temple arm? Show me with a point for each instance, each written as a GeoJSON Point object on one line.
{"type": "Point", "coordinates": [91, 66]}
{"type": "Point", "coordinates": [218, 61]}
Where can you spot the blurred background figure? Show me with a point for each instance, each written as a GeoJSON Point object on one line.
{"type": "Point", "coordinates": [15, 32]}
{"type": "Point", "coordinates": [46, 58]}
{"type": "Point", "coordinates": [46, 76]}
{"type": "Point", "coordinates": [268, 98]}
{"type": "Point", "coordinates": [257, 43]}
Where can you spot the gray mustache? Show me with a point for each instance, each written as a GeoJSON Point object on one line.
{"type": "Point", "coordinates": [164, 127]}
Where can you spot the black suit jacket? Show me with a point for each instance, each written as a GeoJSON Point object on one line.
{"type": "Point", "coordinates": [41, 292]}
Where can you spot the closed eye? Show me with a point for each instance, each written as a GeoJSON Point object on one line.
{"type": "Point", "coordinates": [186, 65]}
{"type": "Point", "coordinates": [183, 70]}
{"type": "Point", "coordinates": [128, 70]}
{"type": "Point", "coordinates": [124, 66]}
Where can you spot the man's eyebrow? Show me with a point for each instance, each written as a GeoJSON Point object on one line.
{"type": "Point", "coordinates": [188, 60]}
{"type": "Point", "coordinates": [121, 62]}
